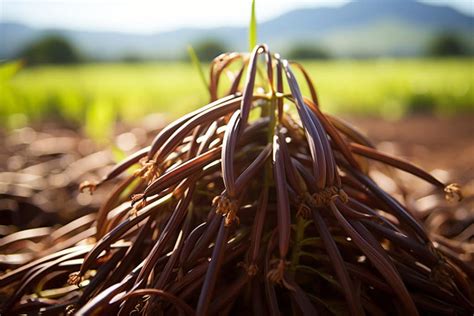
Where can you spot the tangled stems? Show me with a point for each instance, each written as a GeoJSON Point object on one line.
{"type": "Point", "coordinates": [244, 206]}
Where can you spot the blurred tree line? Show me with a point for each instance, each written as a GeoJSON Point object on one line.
{"type": "Point", "coordinates": [52, 49]}
{"type": "Point", "coordinates": [55, 49]}
{"type": "Point", "coordinates": [447, 44]}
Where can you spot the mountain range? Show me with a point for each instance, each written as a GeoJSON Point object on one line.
{"type": "Point", "coordinates": [358, 28]}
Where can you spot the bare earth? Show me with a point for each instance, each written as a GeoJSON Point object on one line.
{"type": "Point", "coordinates": [432, 143]}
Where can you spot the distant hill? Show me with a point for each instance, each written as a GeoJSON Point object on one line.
{"type": "Point", "coordinates": [359, 28]}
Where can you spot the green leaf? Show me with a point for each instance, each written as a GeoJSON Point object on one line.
{"type": "Point", "coordinates": [315, 256]}
{"type": "Point", "coordinates": [9, 69]}
{"type": "Point", "coordinates": [197, 63]}
{"type": "Point", "coordinates": [334, 306]}
{"type": "Point", "coordinates": [311, 241]}
{"type": "Point", "coordinates": [100, 118]}
{"type": "Point", "coordinates": [118, 153]}
{"type": "Point", "coordinates": [253, 28]}
{"type": "Point", "coordinates": [324, 275]}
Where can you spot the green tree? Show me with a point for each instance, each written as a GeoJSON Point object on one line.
{"type": "Point", "coordinates": [208, 49]}
{"type": "Point", "coordinates": [447, 44]}
{"type": "Point", "coordinates": [305, 51]}
{"type": "Point", "coordinates": [52, 49]}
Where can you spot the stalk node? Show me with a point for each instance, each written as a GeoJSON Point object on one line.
{"type": "Point", "coordinates": [304, 210]}
{"type": "Point", "coordinates": [250, 268]}
{"type": "Point", "coordinates": [148, 172]}
{"type": "Point", "coordinates": [453, 192]}
{"type": "Point", "coordinates": [74, 278]}
{"type": "Point", "coordinates": [226, 207]}
{"type": "Point", "coordinates": [325, 196]}
{"type": "Point", "coordinates": [91, 186]}
{"type": "Point", "coordinates": [277, 274]}
{"type": "Point", "coordinates": [138, 201]}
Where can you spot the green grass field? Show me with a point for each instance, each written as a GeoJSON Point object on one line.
{"type": "Point", "coordinates": [105, 92]}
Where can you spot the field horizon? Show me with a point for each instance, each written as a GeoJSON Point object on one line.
{"type": "Point", "coordinates": [106, 92]}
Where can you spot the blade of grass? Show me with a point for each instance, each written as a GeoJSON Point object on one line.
{"type": "Point", "coordinates": [197, 63]}
{"type": "Point", "coordinates": [253, 28]}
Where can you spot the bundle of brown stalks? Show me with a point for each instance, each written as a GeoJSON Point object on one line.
{"type": "Point", "coordinates": [257, 203]}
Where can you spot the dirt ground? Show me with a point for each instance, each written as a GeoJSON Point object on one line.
{"type": "Point", "coordinates": [440, 145]}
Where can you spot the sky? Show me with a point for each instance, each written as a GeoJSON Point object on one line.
{"type": "Point", "coordinates": [150, 16]}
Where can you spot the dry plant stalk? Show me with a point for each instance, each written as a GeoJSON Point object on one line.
{"type": "Point", "coordinates": [256, 203]}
